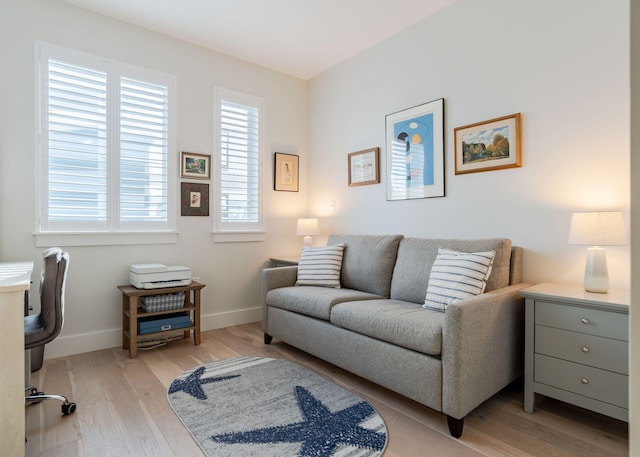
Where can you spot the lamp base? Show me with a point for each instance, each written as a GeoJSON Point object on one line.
{"type": "Point", "coordinates": [307, 240]}
{"type": "Point", "coordinates": [596, 274]}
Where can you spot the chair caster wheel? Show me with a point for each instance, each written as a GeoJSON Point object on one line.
{"type": "Point", "coordinates": [69, 408]}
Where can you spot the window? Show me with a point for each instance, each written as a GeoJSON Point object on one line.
{"type": "Point", "coordinates": [107, 149]}
{"type": "Point", "coordinates": [238, 163]}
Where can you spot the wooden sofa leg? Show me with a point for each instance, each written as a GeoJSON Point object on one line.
{"type": "Point", "coordinates": [455, 426]}
{"type": "Point", "coordinates": [267, 338]}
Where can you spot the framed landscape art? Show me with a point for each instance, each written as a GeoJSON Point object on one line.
{"type": "Point", "coordinates": [488, 145]}
{"type": "Point", "coordinates": [195, 165]}
{"type": "Point", "coordinates": [415, 152]}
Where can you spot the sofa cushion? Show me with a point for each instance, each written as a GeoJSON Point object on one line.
{"type": "Point", "coordinates": [320, 266]}
{"type": "Point", "coordinates": [416, 256]}
{"type": "Point", "coordinates": [313, 301]}
{"type": "Point", "coordinates": [397, 322]}
{"type": "Point", "coordinates": [457, 275]}
{"type": "Point", "coordinates": [368, 261]}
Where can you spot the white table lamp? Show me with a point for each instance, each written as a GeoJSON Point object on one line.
{"type": "Point", "coordinates": [307, 228]}
{"type": "Point", "coordinates": [597, 229]}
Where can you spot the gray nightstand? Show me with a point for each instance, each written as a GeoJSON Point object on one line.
{"type": "Point", "coordinates": [577, 347]}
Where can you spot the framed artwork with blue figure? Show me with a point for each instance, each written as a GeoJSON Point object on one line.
{"type": "Point", "coordinates": [415, 152]}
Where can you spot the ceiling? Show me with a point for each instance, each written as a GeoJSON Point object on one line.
{"type": "Point", "coordinates": [302, 38]}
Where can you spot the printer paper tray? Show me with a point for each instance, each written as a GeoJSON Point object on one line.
{"type": "Point", "coordinates": [161, 284]}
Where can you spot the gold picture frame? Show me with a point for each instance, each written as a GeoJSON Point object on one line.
{"type": "Point", "coordinates": [364, 167]}
{"type": "Point", "coordinates": [488, 145]}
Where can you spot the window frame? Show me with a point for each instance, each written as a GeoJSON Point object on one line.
{"type": "Point", "coordinates": [114, 230]}
{"type": "Point", "coordinates": [229, 231]}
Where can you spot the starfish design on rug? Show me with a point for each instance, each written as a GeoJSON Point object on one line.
{"type": "Point", "coordinates": [192, 384]}
{"type": "Point", "coordinates": [321, 431]}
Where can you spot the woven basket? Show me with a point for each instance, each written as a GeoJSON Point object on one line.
{"type": "Point", "coordinates": [165, 302]}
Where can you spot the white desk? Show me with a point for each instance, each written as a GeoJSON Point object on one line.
{"type": "Point", "coordinates": [15, 279]}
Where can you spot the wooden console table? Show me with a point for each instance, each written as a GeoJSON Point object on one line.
{"type": "Point", "coordinates": [131, 312]}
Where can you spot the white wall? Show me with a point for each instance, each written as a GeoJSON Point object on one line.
{"type": "Point", "coordinates": [564, 65]}
{"type": "Point", "coordinates": [231, 271]}
{"type": "Point", "coordinates": [634, 366]}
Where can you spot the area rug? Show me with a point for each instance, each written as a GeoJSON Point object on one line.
{"type": "Point", "coordinates": [264, 407]}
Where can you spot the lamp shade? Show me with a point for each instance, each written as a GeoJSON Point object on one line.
{"type": "Point", "coordinates": [605, 228]}
{"type": "Point", "coordinates": [307, 227]}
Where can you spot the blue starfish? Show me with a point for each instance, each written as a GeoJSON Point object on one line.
{"type": "Point", "coordinates": [321, 431]}
{"type": "Point", "coordinates": [192, 384]}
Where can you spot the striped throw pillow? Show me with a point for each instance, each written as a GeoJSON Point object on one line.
{"type": "Point", "coordinates": [320, 266]}
{"type": "Point", "coordinates": [457, 275]}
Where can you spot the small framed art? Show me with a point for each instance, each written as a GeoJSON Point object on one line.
{"type": "Point", "coordinates": [285, 172]}
{"type": "Point", "coordinates": [194, 199]}
{"type": "Point", "coordinates": [488, 145]}
{"type": "Point", "coordinates": [364, 167]}
{"type": "Point", "coordinates": [195, 165]}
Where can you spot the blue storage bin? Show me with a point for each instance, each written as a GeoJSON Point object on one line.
{"type": "Point", "coordinates": [151, 324]}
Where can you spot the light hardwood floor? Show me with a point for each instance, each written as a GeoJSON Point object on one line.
{"type": "Point", "coordinates": [123, 411]}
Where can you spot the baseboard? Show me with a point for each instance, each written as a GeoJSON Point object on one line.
{"type": "Point", "coordinates": [88, 342]}
{"type": "Point", "coordinates": [230, 318]}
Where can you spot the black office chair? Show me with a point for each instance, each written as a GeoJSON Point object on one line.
{"type": "Point", "coordinates": [43, 327]}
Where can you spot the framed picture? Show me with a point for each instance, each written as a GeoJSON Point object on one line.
{"type": "Point", "coordinates": [285, 172]}
{"type": "Point", "coordinates": [195, 165]}
{"type": "Point", "coordinates": [488, 145]}
{"type": "Point", "coordinates": [415, 152]}
{"type": "Point", "coordinates": [364, 167]}
{"type": "Point", "coordinates": [194, 199]}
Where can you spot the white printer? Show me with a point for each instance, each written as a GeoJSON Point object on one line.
{"type": "Point", "coordinates": [157, 275]}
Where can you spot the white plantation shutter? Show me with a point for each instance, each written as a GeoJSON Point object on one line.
{"type": "Point", "coordinates": [143, 151]}
{"type": "Point", "coordinates": [77, 145]}
{"type": "Point", "coordinates": [239, 163]}
{"type": "Point", "coordinates": [106, 146]}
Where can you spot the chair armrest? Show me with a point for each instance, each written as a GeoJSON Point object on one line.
{"type": "Point", "coordinates": [275, 278]}
{"type": "Point", "coordinates": [483, 348]}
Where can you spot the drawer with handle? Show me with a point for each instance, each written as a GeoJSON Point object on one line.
{"type": "Point", "coordinates": [584, 320]}
{"type": "Point", "coordinates": [595, 351]}
{"type": "Point", "coordinates": [590, 382]}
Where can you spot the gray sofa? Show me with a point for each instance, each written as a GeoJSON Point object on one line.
{"type": "Point", "coordinates": [375, 326]}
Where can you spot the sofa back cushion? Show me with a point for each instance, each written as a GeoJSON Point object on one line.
{"type": "Point", "coordinates": [416, 257]}
{"type": "Point", "coordinates": [368, 261]}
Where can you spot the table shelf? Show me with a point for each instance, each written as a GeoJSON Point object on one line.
{"type": "Point", "coordinates": [142, 313]}
{"type": "Point", "coordinates": [131, 313]}
{"type": "Point", "coordinates": [151, 335]}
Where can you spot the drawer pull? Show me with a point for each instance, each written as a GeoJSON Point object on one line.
{"type": "Point", "coordinates": [585, 349]}
{"type": "Point", "coordinates": [584, 381]}
{"type": "Point", "coordinates": [585, 321]}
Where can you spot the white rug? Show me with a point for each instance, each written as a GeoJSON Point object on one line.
{"type": "Point", "coordinates": [264, 407]}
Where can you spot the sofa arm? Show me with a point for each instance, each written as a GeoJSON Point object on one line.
{"type": "Point", "coordinates": [274, 278]}
{"type": "Point", "coordinates": [483, 348]}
